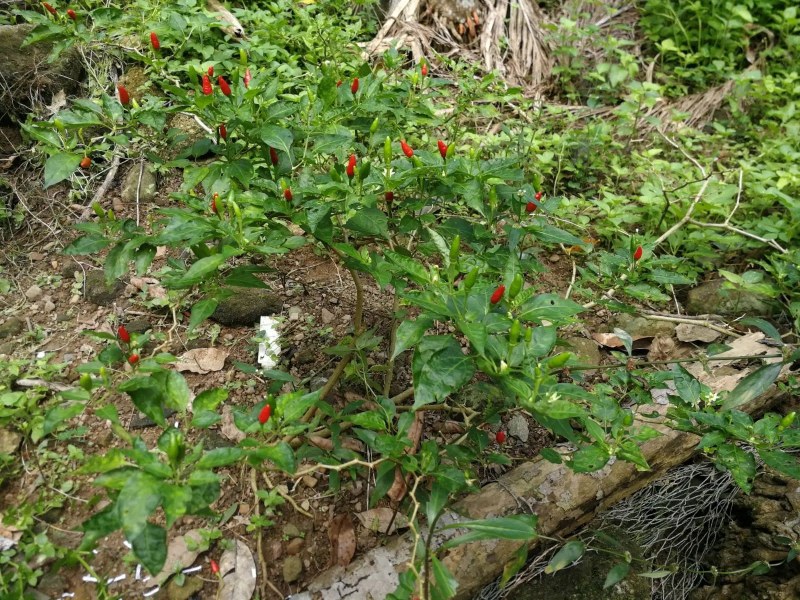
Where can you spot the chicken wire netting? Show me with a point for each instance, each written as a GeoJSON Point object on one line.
{"type": "Point", "coordinates": [675, 520]}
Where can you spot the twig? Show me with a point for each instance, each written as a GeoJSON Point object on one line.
{"type": "Point", "coordinates": [259, 544]}
{"type": "Point", "coordinates": [101, 191]}
{"type": "Point", "coordinates": [742, 232]}
{"type": "Point", "coordinates": [287, 497]}
{"type": "Point", "coordinates": [138, 188]}
{"type": "Point", "coordinates": [707, 324]}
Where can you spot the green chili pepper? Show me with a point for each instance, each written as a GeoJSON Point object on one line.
{"type": "Point", "coordinates": [454, 249]}
{"type": "Point", "coordinates": [374, 127]}
{"type": "Point", "coordinates": [470, 279]}
{"type": "Point", "coordinates": [516, 286]}
{"type": "Point", "coordinates": [559, 360]}
{"type": "Point", "coordinates": [387, 151]}
{"type": "Point", "coordinates": [513, 333]}
{"type": "Point", "coordinates": [787, 421]}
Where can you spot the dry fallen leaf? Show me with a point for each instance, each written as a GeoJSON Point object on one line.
{"type": "Point", "coordinates": [610, 340]}
{"type": "Point", "coordinates": [238, 570]}
{"type": "Point", "coordinates": [399, 487]}
{"type": "Point", "coordinates": [202, 360]}
{"type": "Point", "coordinates": [178, 554]}
{"type": "Point", "coordinates": [9, 536]}
{"type": "Point", "coordinates": [343, 539]}
{"type": "Point", "coordinates": [383, 520]}
{"type": "Point", "coordinates": [662, 348]}
{"type": "Point", "coordinates": [229, 428]}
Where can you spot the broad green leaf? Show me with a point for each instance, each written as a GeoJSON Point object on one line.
{"type": "Point", "coordinates": [616, 574]}
{"type": "Point", "coordinates": [369, 221]}
{"type": "Point", "coordinates": [60, 413]}
{"type": "Point", "coordinates": [655, 574]}
{"type": "Point", "coordinates": [515, 527]}
{"type": "Point", "coordinates": [137, 500]}
{"type": "Point", "coordinates": [444, 584]}
{"type": "Point", "coordinates": [219, 457]}
{"type": "Point", "coordinates": [209, 399]}
{"type": "Point", "coordinates": [59, 167]}
{"type": "Point", "coordinates": [368, 420]}
{"type": "Point", "coordinates": [571, 552]}
{"type": "Point", "coordinates": [410, 332]}
{"type": "Point", "coordinates": [150, 547]}
{"type": "Point", "coordinates": [752, 386]}
{"type": "Point", "coordinates": [87, 244]}
{"type": "Point", "coordinates": [281, 455]}
{"type": "Point", "coordinates": [589, 459]}
{"type": "Point", "coordinates": [512, 567]}
{"type": "Point", "coordinates": [549, 307]}
{"type": "Point", "coordinates": [198, 271]}
{"type": "Point", "coordinates": [439, 369]}
{"type": "Point", "coordinates": [277, 137]}
{"type": "Point", "coordinates": [764, 326]}
{"type": "Point", "coordinates": [100, 525]}
{"type": "Point", "coordinates": [201, 311]}
{"type": "Point", "coordinates": [177, 392]}
{"type": "Point", "coordinates": [783, 462]}
{"type": "Point", "coordinates": [740, 463]}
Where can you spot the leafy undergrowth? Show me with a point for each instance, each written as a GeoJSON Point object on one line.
{"type": "Point", "coordinates": [434, 270]}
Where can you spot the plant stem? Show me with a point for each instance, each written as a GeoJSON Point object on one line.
{"type": "Point", "coordinates": [665, 362]}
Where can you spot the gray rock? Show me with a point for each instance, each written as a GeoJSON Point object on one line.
{"type": "Point", "coordinates": [639, 327]}
{"type": "Point", "coordinates": [11, 327]}
{"type": "Point", "coordinates": [9, 441]}
{"type": "Point", "coordinates": [246, 306]}
{"type": "Point", "coordinates": [713, 298]}
{"type": "Point", "coordinates": [688, 332]}
{"type": "Point", "coordinates": [294, 313]}
{"type": "Point", "coordinates": [292, 568]}
{"type": "Point", "coordinates": [138, 325]}
{"type": "Point", "coordinates": [518, 427]}
{"type": "Point", "coordinates": [146, 188]}
{"type": "Point", "coordinates": [27, 75]}
{"type": "Point", "coordinates": [33, 293]}
{"type": "Point", "coordinates": [290, 530]}
{"type": "Point", "coordinates": [97, 292]}
{"type": "Point", "coordinates": [173, 591]}
{"type": "Point", "coordinates": [587, 350]}
{"type": "Point", "coordinates": [326, 316]}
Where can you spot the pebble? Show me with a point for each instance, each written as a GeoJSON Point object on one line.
{"type": "Point", "coordinates": [290, 530]}
{"type": "Point", "coordinates": [310, 481]}
{"type": "Point", "coordinates": [33, 293]}
{"type": "Point", "coordinates": [294, 313]}
{"type": "Point", "coordinates": [305, 505]}
{"type": "Point", "coordinates": [518, 427]}
{"type": "Point", "coordinates": [326, 316]}
{"type": "Point", "coordinates": [36, 256]}
{"type": "Point", "coordinates": [292, 568]}
{"type": "Point", "coordinates": [49, 306]}
{"type": "Point", "coordinates": [294, 546]}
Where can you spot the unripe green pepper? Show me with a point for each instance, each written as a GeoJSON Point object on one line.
{"type": "Point", "coordinates": [787, 421]}
{"type": "Point", "coordinates": [470, 279]}
{"type": "Point", "coordinates": [364, 170]}
{"type": "Point", "coordinates": [242, 57]}
{"type": "Point", "coordinates": [627, 420]}
{"type": "Point", "coordinates": [387, 151]}
{"type": "Point", "coordinates": [374, 127]}
{"type": "Point", "coordinates": [451, 151]}
{"type": "Point", "coordinates": [86, 382]}
{"type": "Point", "coordinates": [559, 360]}
{"type": "Point", "coordinates": [454, 249]}
{"type": "Point", "coordinates": [416, 161]}
{"type": "Point", "coordinates": [516, 286]}
{"type": "Point", "coordinates": [173, 444]}
{"type": "Point", "coordinates": [528, 334]}
{"type": "Point", "coordinates": [513, 333]}
{"type": "Point", "coordinates": [335, 175]}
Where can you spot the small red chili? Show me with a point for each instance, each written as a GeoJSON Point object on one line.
{"type": "Point", "coordinates": [442, 148]}
{"type": "Point", "coordinates": [339, 83]}
{"type": "Point", "coordinates": [287, 193]}
{"type": "Point", "coordinates": [354, 86]}
{"type": "Point", "coordinates": [223, 132]}
{"type": "Point", "coordinates": [49, 8]}
{"type": "Point", "coordinates": [211, 71]}
{"type": "Point", "coordinates": [133, 359]}
{"type": "Point", "coordinates": [424, 69]}
{"type": "Point", "coordinates": [71, 14]}
{"type": "Point", "coordinates": [223, 85]}
{"type": "Point", "coordinates": [247, 78]}
{"type": "Point", "coordinates": [638, 254]}
{"type": "Point", "coordinates": [214, 567]}
{"type": "Point", "coordinates": [123, 334]}
{"type": "Point", "coordinates": [263, 416]}
{"type": "Point", "coordinates": [273, 156]}
{"type": "Point", "coordinates": [539, 195]}
{"type": "Point", "coordinates": [86, 162]}
{"type": "Point", "coordinates": [406, 149]}
{"type": "Point", "coordinates": [530, 207]}
{"type": "Point", "coordinates": [500, 437]}
{"type": "Point", "coordinates": [207, 89]}
{"type": "Point", "coordinates": [498, 294]}
{"type": "Point", "coordinates": [154, 41]}
{"type": "Point", "coordinates": [351, 166]}
{"type": "Point", "coordinates": [214, 204]}
{"type": "Point", "coordinates": [389, 196]}
{"type": "Point", "coordinates": [124, 97]}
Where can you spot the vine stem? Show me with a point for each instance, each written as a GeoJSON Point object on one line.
{"type": "Point", "coordinates": [389, 375]}
{"type": "Point", "coordinates": [636, 364]}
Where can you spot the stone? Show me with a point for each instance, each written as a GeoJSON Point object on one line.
{"type": "Point", "coordinates": [138, 325]}
{"type": "Point", "coordinates": [146, 187]}
{"type": "Point", "coordinates": [518, 427]}
{"type": "Point", "coordinates": [294, 546]}
{"type": "Point", "coordinates": [11, 327]}
{"type": "Point", "coordinates": [49, 306]}
{"type": "Point", "coordinates": [33, 293]}
{"type": "Point", "coordinates": [689, 332]}
{"type": "Point", "coordinates": [713, 297]}
{"type": "Point", "coordinates": [290, 530]}
{"type": "Point", "coordinates": [173, 591]}
{"type": "Point", "coordinates": [326, 316]}
{"type": "Point", "coordinates": [587, 351]}
{"type": "Point", "coordinates": [292, 568]}
{"type": "Point", "coordinates": [294, 313]}
{"type": "Point", "coordinates": [641, 327]}
{"type": "Point", "coordinates": [9, 441]}
{"type": "Point", "coordinates": [246, 306]}
{"type": "Point", "coordinates": [98, 292]}
{"type": "Point", "coordinates": [28, 77]}
{"type": "Point", "coordinates": [310, 481]}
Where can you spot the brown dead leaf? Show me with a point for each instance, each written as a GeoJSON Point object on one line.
{"type": "Point", "coordinates": [9, 536]}
{"type": "Point", "coordinates": [238, 570]}
{"type": "Point", "coordinates": [399, 487]}
{"type": "Point", "coordinates": [610, 340]}
{"type": "Point", "coordinates": [229, 428]}
{"type": "Point", "coordinates": [661, 348]}
{"type": "Point", "coordinates": [383, 520]}
{"type": "Point", "coordinates": [321, 442]}
{"type": "Point", "coordinates": [415, 432]}
{"type": "Point", "coordinates": [151, 286]}
{"type": "Point", "coordinates": [326, 444]}
{"type": "Point", "coordinates": [179, 556]}
{"type": "Point", "coordinates": [343, 539]}
{"type": "Point", "coordinates": [202, 360]}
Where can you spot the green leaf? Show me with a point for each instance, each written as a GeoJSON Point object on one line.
{"type": "Point", "coordinates": [198, 271]}
{"type": "Point", "coordinates": [549, 307]}
{"type": "Point", "coordinates": [368, 420]}
{"type": "Point", "coordinates": [616, 574]}
{"type": "Point", "coordinates": [137, 500]}
{"type": "Point", "coordinates": [558, 409]}
{"type": "Point", "coordinates": [752, 386]}
{"type": "Point", "coordinates": [741, 464]}
{"type": "Point", "coordinates": [201, 311]}
{"type": "Point", "coordinates": [291, 407]}
{"type": "Point", "coordinates": [59, 167]}
{"type": "Point", "coordinates": [655, 574]}
{"type": "Point", "coordinates": [219, 457]}
{"type": "Point", "coordinates": [512, 567]}
{"type": "Point", "coordinates": [209, 399]}
{"type": "Point", "coordinates": [764, 326]}
{"type": "Point", "coordinates": [571, 552]}
{"type": "Point", "coordinates": [782, 461]}
{"type": "Point", "coordinates": [369, 221]}
{"type": "Point", "coordinates": [100, 525]}
{"type": "Point", "coordinates": [150, 547]}
{"type": "Point", "coordinates": [177, 391]}
{"type": "Point", "coordinates": [277, 137]}
{"type": "Point", "coordinates": [444, 584]}
{"type": "Point", "coordinates": [58, 414]}
{"type": "Point", "coordinates": [516, 527]}
{"type": "Point", "coordinates": [409, 333]}
{"type": "Point", "coordinates": [281, 454]}
{"type": "Point", "coordinates": [87, 244]}
{"type": "Point", "coordinates": [439, 369]}
{"type": "Point", "coordinates": [589, 459]}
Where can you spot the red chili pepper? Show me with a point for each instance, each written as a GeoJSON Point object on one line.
{"type": "Point", "coordinates": [498, 294]}
{"type": "Point", "coordinates": [442, 148]}
{"type": "Point", "coordinates": [247, 78]}
{"type": "Point", "coordinates": [406, 149]}
{"type": "Point", "coordinates": [263, 416]}
{"type": "Point", "coordinates": [339, 83]}
{"type": "Point", "coordinates": [207, 89]}
{"type": "Point", "coordinates": [214, 204]}
{"type": "Point", "coordinates": [214, 567]}
{"type": "Point", "coordinates": [71, 14]}
{"type": "Point", "coordinates": [530, 207]}
{"type": "Point", "coordinates": [123, 334]}
{"type": "Point", "coordinates": [424, 69]}
{"type": "Point", "coordinates": [86, 162]}
{"type": "Point", "coordinates": [273, 156]}
{"type": "Point", "coordinates": [223, 85]}
{"type": "Point", "coordinates": [500, 437]}
{"type": "Point", "coordinates": [354, 86]}
{"type": "Point", "coordinates": [49, 8]}
{"type": "Point", "coordinates": [124, 97]}
{"type": "Point", "coordinates": [351, 166]}
{"type": "Point", "coordinates": [389, 196]}
{"type": "Point", "coordinates": [638, 254]}
{"type": "Point", "coordinates": [211, 71]}
{"type": "Point", "coordinates": [538, 195]}
{"type": "Point", "coordinates": [133, 359]}
{"type": "Point", "coordinates": [287, 193]}
{"type": "Point", "coordinates": [154, 41]}
{"type": "Point", "coordinates": [223, 132]}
